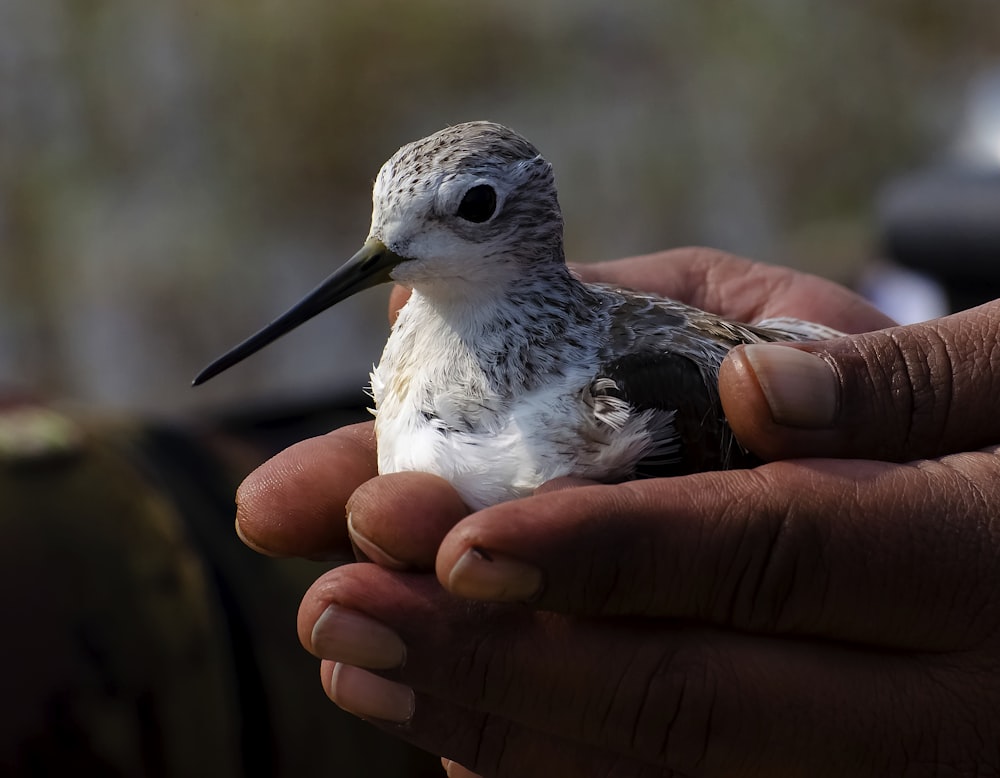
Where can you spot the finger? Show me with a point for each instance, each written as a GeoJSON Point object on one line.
{"type": "Point", "coordinates": [455, 770]}
{"type": "Point", "coordinates": [738, 288]}
{"type": "Point", "coordinates": [900, 394]}
{"type": "Point", "coordinates": [293, 504]}
{"type": "Point", "coordinates": [567, 482]}
{"type": "Point", "coordinates": [830, 548]}
{"type": "Point", "coordinates": [398, 520]}
{"type": "Point", "coordinates": [496, 747]}
{"type": "Point", "coordinates": [691, 699]}
{"type": "Point", "coordinates": [397, 299]}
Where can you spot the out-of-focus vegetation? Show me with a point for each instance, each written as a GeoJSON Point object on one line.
{"type": "Point", "coordinates": [174, 174]}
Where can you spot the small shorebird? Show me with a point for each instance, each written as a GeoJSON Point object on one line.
{"type": "Point", "coordinates": [503, 370]}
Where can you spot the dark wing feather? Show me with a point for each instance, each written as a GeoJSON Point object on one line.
{"type": "Point", "coordinates": [672, 354]}
{"type": "Point", "coordinates": [673, 382]}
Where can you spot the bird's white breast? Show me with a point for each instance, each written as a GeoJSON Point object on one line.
{"type": "Point", "coordinates": [500, 456]}
{"type": "Point", "coordinates": [493, 449]}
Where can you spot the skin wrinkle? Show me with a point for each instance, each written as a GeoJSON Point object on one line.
{"type": "Point", "coordinates": [992, 345]}
{"type": "Point", "coordinates": [970, 488]}
{"type": "Point", "coordinates": [873, 369]}
{"type": "Point", "coordinates": [664, 747]}
{"type": "Point", "coordinates": [772, 286]}
{"type": "Point", "coordinates": [663, 577]}
{"type": "Point", "coordinates": [946, 374]}
{"type": "Point", "coordinates": [725, 565]}
{"type": "Point", "coordinates": [930, 394]}
{"type": "Point", "coordinates": [896, 372]}
{"type": "Point", "coordinates": [748, 547]}
{"type": "Point", "coordinates": [612, 592]}
{"type": "Point", "coordinates": [504, 678]}
{"type": "Point", "coordinates": [715, 277]}
{"type": "Point", "coordinates": [758, 544]}
{"type": "Point", "coordinates": [611, 705]}
{"type": "Point", "coordinates": [616, 700]}
{"type": "Point", "coordinates": [652, 669]}
{"type": "Point", "coordinates": [478, 669]}
{"type": "Point", "coordinates": [692, 721]}
{"type": "Point", "coordinates": [477, 753]}
{"type": "Point", "coordinates": [934, 728]}
{"type": "Point", "coordinates": [954, 482]}
{"type": "Point", "coordinates": [492, 657]}
{"type": "Point", "coordinates": [621, 590]}
{"type": "Point", "coordinates": [702, 755]}
{"type": "Point", "coordinates": [736, 587]}
{"type": "Point", "coordinates": [503, 753]}
{"type": "Point", "coordinates": [959, 598]}
{"type": "Point", "coordinates": [979, 364]}
{"type": "Point", "coordinates": [769, 551]}
{"type": "Point", "coordinates": [609, 591]}
{"type": "Point", "coordinates": [804, 541]}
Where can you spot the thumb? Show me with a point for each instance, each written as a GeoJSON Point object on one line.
{"type": "Point", "coordinates": [903, 393]}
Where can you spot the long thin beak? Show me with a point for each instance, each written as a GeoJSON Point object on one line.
{"type": "Point", "coordinates": [369, 267]}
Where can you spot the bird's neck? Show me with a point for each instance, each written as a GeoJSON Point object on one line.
{"type": "Point", "coordinates": [509, 331]}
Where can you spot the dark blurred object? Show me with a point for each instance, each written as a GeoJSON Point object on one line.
{"type": "Point", "coordinates": [945, 220]}
{"type": "Point", "coordinates": [141, 638]}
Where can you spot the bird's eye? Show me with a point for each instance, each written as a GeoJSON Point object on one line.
{"type": "Point", "coordinates": [478, 204]}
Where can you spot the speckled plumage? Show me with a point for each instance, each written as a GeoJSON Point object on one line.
{"type": "Point", "coordinates": [503, 369]}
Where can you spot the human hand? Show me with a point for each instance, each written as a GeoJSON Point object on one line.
{"type": "Point", "coordinates": [285, 506]}
{"type": "Point", "coordinates": [813, 617]}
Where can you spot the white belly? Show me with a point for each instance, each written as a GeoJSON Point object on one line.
{"type": "Point", "coordinates": [548, 433]}
{"type": "Point", "coordinates": [485, 467]}
{"type": "Point", "coordinates": [438, 411]}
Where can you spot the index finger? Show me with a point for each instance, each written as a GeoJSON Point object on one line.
{"type": "Point", "coordinates": [294, 504]}
{"type": "Point", "coordinates": [847, 549]}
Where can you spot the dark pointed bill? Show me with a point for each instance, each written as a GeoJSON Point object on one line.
{"type": "Point", "coordinates": [367, 268]}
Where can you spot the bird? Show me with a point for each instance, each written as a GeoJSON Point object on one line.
{"type": "Point", "coordinates": [504, 370]}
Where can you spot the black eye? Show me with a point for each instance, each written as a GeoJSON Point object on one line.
{"type": "Point", "coordinates": [478, 204]}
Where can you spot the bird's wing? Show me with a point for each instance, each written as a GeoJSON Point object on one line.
{"type": "Point", "coordinates": [787, 328]}
{"type": "Point", "coordinates": [675, 386]}
{"type": "Point", "coordinates": [664, 356]}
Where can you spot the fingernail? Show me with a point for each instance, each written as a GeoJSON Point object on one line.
{"type": "Point", "coordinates": [371, 550]}
{"type": "Point", "coordinates": [455, 770]}
{"type": "Point", "coordinates": [367, 695]}
{"type": "Point", "coordinates": [480, 575]}
{"type": "Point", "coordinates": [250, 544]}
{"type": "Point", "coordinates": [800, 388]}
{"type": "Point", "coordinates": [348, 636]}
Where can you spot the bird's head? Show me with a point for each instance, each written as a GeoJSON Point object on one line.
{"type": "Point", "coordinates": [472, 204]}
{"type": "Point", "coordinates": [467, 209]}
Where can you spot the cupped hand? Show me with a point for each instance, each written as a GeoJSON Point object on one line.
{"type": "Point", "coordinates": [813, 617]}
{"type": "Point", "coordinates": [817, 617]}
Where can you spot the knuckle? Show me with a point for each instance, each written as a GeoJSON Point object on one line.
{"type": "Point", "coordinates": [903, 377]}
{"type": "Point", "coordinates": [929, 386]}
{"type": "Point", "coordinates": [926, 377]}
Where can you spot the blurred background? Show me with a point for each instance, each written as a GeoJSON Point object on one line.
{"type": "Point", "coordinates": [174, 174]}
